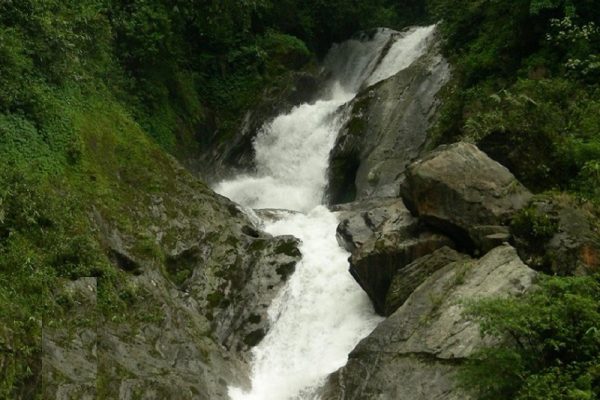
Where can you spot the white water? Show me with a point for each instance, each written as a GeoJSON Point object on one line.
{"type": "Point", "coordinates": [321, 314]}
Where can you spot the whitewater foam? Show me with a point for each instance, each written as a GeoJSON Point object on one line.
{"type": "Point", "coordinates": [321, 314]}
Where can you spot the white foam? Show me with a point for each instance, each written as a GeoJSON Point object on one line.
{"type": "Point", "coordinates": [322, 313]}
{"type": "Point", "coordinates": [402, 53]}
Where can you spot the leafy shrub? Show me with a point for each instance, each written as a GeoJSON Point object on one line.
{"type": "Point", "coordinates": [534, 225]}
{"type": "Point", "coordinates": [548, 343]}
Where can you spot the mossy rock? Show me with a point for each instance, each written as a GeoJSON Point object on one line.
{"type": "Point", "coordinates": [558, 234]}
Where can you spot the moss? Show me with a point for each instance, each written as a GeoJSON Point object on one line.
{"type": "Point", "coordinates": [289, 248]}
{"type": "Point", "coordinates": [254, 338]}
{"type": "Point", "coordinates": [254, 319]}
{"type": "Point", "coordinates": [258, 245]}
{"type": "Point", "coordinates": [215, 299]}
{"type": "Point", "coordinates": [181, 267]}
{"type": "Point", "coordinates": [285, 270]}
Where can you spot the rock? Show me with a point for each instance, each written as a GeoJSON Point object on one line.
{"type": "Point", "coordinates": [487, 237]}
{"type": "Point", "coordinates": [374, 264]}
{"type": "Point", "coordinates": [414, 354]}
{"type": "Point", "coordinates": [461, 191]}
{"type": "Point", "coordinates": [387, 129]}
{"type": "Point", "coordinates": [361, 221]}
{"type": "Point", "coordinates": [241, 321]}
{"type": "Point", "coordinates": [69, 359]}
{"type": "Point", "coordinates": [558, 235]}
{"type": "Point", "coordinates": [190, 281]}
{"type": "Point", "coordinates": [217, 159]}
{"type": "Point", "coordinates": [407, 279]}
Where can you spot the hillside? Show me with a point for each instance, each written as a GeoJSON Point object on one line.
{"type": "Point", "coordinates": [123, 274]}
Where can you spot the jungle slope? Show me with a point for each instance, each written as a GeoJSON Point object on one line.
{"type": "Point", "coordinates": [110, 251]}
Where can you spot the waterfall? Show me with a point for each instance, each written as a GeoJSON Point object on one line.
{"type": "Point", "coordinates": [321, 314]}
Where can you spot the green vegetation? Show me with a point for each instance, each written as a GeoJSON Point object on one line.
{"type": "Point", "coordinates": [537, 227]}
{"type": "Point", "coordinates": [92, 93]}
{"type": "Point", "coordinates": [526, 90]}
{"type": "Point", "coordinates": [526, 87]}
{"type": "Point", "coordinates": [550, 347]}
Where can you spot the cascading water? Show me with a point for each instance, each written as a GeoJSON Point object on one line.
{"type": "Point", "coordinates": [321, 314]}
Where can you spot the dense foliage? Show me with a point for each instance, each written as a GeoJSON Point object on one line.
{"type": "Point", "coordinates": [526, 87]}
{"type": "Point", "coordinates": [550, 344]}
{"type": "Point", "coordinates": [526, 90]}
{"type": "Point", "coordinates": [89, 90]}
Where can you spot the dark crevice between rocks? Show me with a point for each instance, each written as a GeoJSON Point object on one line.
{"type": "Point", "coordinates": [341, 186]}
{"type": "Point", "coordinates": [460, 237]}
{"type": "Point", "coordinates": [125, 262]}
{"type": "Point", "coordinates": [432, 358]}
{"type": "Point", "coordinates": [254, 338]}
{"type": "Point", "coordinates": [250, 231]}
{"type": "Point", "coordinates": [180, 267]}
{"type": "Point", "coordinates": [286, 270]}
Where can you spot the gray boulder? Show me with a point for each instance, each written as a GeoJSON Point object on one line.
{"type": "Point", "coordinates": [361, 221]}
{"type": "Point", "coordinates": [387, 129]}
{"type": "Point", "coordinates": [414, 354]}
{"type": "Point", "coordinates": [459, 190]}
{"type": "Point", "coordinates": [410, 277]}
{"type": "Point", "coordinates": [374, 264]}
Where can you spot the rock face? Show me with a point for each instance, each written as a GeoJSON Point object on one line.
{"type": "Point", "coordinates": [461, 191]}
{"type": "Point", "coordinates": [241, 320]}
{"type": "Point", "coordinates": [73, 355]}
{"type": "Point", "coordinates": [361, 221]}
{"type": "Point", "coordinates": [383, 238]}
{"type": "Point", "coordinates": [194, 281]}
{"type": "Point", "coordinates": [376, 263]}
{"type": "Point", "coordinates": [220, 159]}
{"type": "Point", "coordinates": [414, 353]}
{"type": "Point", "coordinates": [409, 278]}
{"type": "Point", "coordinates": [387, 129]}
{"type": "Point", "coordinates": [569, 242]}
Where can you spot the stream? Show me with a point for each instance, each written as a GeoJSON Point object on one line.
{"type": "Point", "coordinates": [322, 313]}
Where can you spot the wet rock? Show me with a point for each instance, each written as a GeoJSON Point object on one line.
{"type": "Point", "coordinates": [240, 307]}
{"type": "Point", "coordinates": [414, 354]}
{"type": "Point", "coordinates": [273, 215]}
{"type": "Point", "coordinates": [407, 279]}
{"type": "Point", "coordinates": [69, 359]}
{"type": "Point", "coordinates": [557, 235]}
{"type": "Point", "coordinates": [188, 300]}
{"type": "Point", "coordinates": [387, 129]}
{"type": "Point", "coordinates": [459, 190]}
{"type": "Point", "coordinates": [361, 221]}
{"type": "Point", "coordinates": [374, 264]}
{"type": "Point", "coordinates": [218, 159]}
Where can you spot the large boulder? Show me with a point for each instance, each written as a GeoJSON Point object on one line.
{"type": "Point", "coordinates": [374, 264]}
{"type": "Point", "coordinates": [415, 353]}
{"type": "Point", "coordinates": [461, 191]}
{"type": "Point", "coordinates": [556, 234]}
{"type": "Point", "coordinates": [414, 274]}
{"type": "Point", "coordinates": [387, 129]}
{"type": "Point", "coordinates": [361, 221]}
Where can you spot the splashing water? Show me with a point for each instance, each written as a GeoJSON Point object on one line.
{"type": "Point", "coordinates": [321, 314]}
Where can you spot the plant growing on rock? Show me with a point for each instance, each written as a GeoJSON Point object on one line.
{"type": "Point", "coordinates": [547, 344]}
